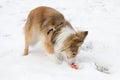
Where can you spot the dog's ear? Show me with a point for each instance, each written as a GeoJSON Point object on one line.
{"type": "Point", "coordinates": [82, 35]}
{"type": "Point", "coordinates": [77, 41]}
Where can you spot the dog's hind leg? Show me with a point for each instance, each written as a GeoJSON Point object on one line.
{"type": "Point", "coordinates": [28, 35]}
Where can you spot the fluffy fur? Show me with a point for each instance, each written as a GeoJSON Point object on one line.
{"type": "Point", "coordinates": [57, 34]}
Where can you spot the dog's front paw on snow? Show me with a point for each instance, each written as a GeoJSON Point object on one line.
{"type": "Point", "coordinates": [59, 58]}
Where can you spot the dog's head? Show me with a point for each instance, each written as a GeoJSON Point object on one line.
{"type": "Point", "coordinates": [72, 45]}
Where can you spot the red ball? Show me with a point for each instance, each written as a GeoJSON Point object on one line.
{"type": "Point", "coordinates": [74, 66]}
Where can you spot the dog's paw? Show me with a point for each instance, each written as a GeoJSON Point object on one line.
{"type": "Point", "coordinates": [58, 61]}
{"type": "Point", "coordinates": [59, 58]}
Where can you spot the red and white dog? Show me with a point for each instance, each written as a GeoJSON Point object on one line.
{"type": "Point", "coordinates": [57, 34]}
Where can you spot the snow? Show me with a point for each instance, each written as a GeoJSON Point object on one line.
{"type": "Point", "coordinates": [99, 56]}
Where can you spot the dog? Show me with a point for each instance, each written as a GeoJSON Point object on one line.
{"type": "Point", "coordinates": [56, 33]}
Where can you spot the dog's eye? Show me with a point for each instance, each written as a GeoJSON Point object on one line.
{"type": "Point", "coordinates": [73, 53]}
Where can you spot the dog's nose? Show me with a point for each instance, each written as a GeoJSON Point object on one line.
{"type": "Point", "coordinates": [72, 63]}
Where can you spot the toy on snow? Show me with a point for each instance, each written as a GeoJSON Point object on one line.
{"type": "Point", "coordinates": [74, 66]}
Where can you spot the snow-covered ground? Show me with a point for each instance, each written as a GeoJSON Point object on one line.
{"type": "Point", "coordinates": [99, 58]}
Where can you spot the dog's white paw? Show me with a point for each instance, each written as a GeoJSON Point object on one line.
{"type": "Point", "coordinates": [59, 58]}
{"type": "Point", "coordinates": [56, 58]}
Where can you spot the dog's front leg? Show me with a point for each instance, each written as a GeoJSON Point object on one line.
{"type": "Point", "coordinates": [48, 42]}
{"type": "Point", "coordinates": [49, 46]}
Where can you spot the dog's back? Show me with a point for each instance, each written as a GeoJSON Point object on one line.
{"type": "Point", "coordinates": [44, 18]}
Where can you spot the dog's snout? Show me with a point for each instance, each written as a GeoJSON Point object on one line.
{"type": "Point", "coordinates": [71, 61]}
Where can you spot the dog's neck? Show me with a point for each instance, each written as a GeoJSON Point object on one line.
{"type": "Point", "coordinates": [64, 34]}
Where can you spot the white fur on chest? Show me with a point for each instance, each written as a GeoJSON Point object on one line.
{"type": "Point", "coordinates": [64, 34]}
